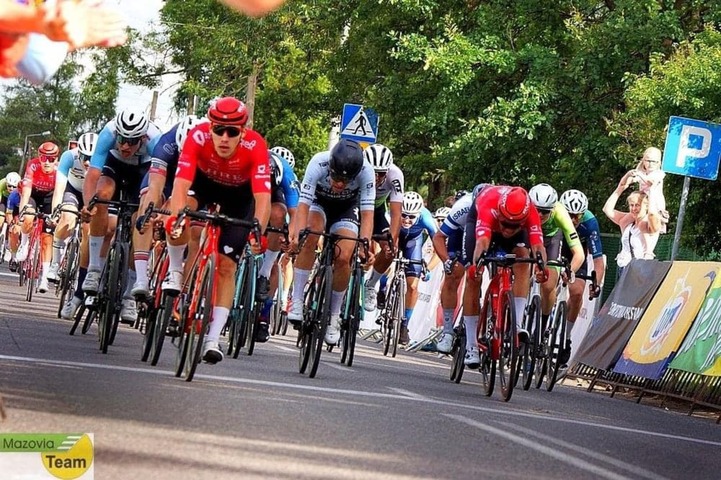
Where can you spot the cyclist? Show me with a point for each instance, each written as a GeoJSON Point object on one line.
{"type": "Point", "coordinates": [557, 227]}
{"type": "Point", "coordinates": [225, 163]}
{"type": "Point", "coordinates": [284, 198]}
{"type": "Point", "coordinates": [156, 186]}
{"type": "Point", "coordinates": [285, 154]}
{"type": "Point", "coordinates": [37, 193]}
{"type": "Point", "coordinates": [586, 224]}
{"type": "Point", "coordinates": [440, 215]}
{"type": "Point", "coordinates": [502, 218]}
{"type": "Point", "coordinates": [389, 190]}
{"type": "Point", "coordinates": [7, 186]}
{"type": "Point", "coordinates": [415, 220]}
{"type": "Point", "coordinates": [13, 232]}
{"type": "Point", "coordinates": [448, 243]}
{"type": "Point", "coordinates": [337, 185]}
{"type": "Point", "coordinates": [111, 170]}
{"type": "Point", "coordinates": [69, 192]}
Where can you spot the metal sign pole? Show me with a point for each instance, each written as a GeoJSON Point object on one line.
{"type": "Point", "coordinates": [681, 214]}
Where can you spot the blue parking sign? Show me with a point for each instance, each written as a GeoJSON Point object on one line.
{"type": "Point", "coordinates": [693, 148]}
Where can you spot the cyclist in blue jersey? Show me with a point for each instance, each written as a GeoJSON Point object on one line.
{"type": "Point", "coordinates": [586, 224]}
{"type": "Point", "coordinates": [156, 187]}
{"type": "Point", "coordinates": [124, 166]}
{"type": "Point", "coordinates": [284, 195]}
{"type": "Point", "coordinates": [415, 221]}
{"type": "Point", "coordinates": [11, 214]}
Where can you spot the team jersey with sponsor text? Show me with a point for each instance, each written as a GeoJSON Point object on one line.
{"type": "Point", "coordinates": [316, 186]}
{"type": "Point", "coordinates": [489, 217]}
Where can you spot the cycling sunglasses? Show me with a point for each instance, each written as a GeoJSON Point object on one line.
{"type": "Point", "coordinates": [510, 225]}
{"type": "Point", "coordinates": [121, 139]}
{"type": "Point", "coordinates": [337, 177]}
{"type": "Point", "coordinates": [220, 130]}
{"type": "Point", "coordinates": [47, 158]}
{"type": "Point", "coordinates": [409, 216]}
{"type": "Point", "coordinates": [544, 211]}
{"type": "Point", "coordinates": [84, 158]}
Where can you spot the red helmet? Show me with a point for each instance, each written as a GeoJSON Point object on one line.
{"type": "Point", "coordinates": [514, 204]}
{"type": "Point", "coordinates": [49, 149]}
{"type": "Point", "coordinates": [228, 111]}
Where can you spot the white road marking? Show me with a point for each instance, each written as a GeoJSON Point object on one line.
{"type": "Point", "coordinates": [408, 393]}
{"type": "Point", "coordinates": [356, 393]}
{"type": "Point", "coordinates": [558, 455]}
{"type": "Point", "coordinates": [587, 453]}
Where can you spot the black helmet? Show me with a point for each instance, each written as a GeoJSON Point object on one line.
{"type": "Point", "coordinates": [461, 193]}
{"type": "Point", "coordinates": [346, 160]}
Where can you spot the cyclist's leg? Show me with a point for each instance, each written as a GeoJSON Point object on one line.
{"type": "Point", "coordinates": [231, 246]}
{"type": "Point", "coordinates": [449, 291]}
{"type": "Point", "coordinates": [66, 223]}
{"type": "Point", "coordinates": [548, 288]}
{"type": "Point", "coordinates": [151, 190]}
{"type": "Point", "coordinates": [341, 276]}
{"type": "Point", "coordinates": [277, 219]}
{"type": "Point", "coordinates": [304, 263]}
{"type": "Point", "coordinates": [97, 241]}
{"type": "Point", "coordinates": [412, 250]}
{"type": "Point", "coordinates": [382, 262]}
{"type": "Point", "coordinates": [26, 226]}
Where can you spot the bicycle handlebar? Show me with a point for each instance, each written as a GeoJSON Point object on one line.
{"type": "Point", "coordinates": [334, 237]}
{"type": "Point", "coordinates": [113, 203]}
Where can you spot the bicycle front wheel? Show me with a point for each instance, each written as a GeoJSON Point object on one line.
{"type": "Point", "coordinates": [355, 317]}
{"type": "Point", "coordinates": [33, 269]}
{"type": "Point", "coordinates": [203, 313]}
{"type": "Point", "coordinates": [399, 310]}
{"type": "Point", "coordinates": [557, 343]}
{"type": "Point", "coordinates": [509, 346]}
{"type": "Point", "coordinates": [111, 292]}
{"type": "Point", "coordinates": [320, 322]}
{"type": "Point", "coordinates": [458, 352]}
{"type": "Point", "coordinates": [533, 327]}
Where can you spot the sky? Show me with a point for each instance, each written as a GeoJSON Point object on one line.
{"type": "Point", "coordinates": [142, 15]}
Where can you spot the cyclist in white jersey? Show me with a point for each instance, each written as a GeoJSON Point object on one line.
{"type": "Point", "coordinates": [389, 189]}
{"type": "Point", "coordinates": [69, 193]}
{"type": "Point", "coordinates": [337, 185]}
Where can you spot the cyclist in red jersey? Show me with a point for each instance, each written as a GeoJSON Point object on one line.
{"type": "Point", "coordinates": [504, 218]}
{"type": "Point", "coordinates": [37, 195]}
{"type": "Point", "coordinates": [225, 163]}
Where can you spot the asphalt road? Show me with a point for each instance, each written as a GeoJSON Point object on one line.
{"type": "Point", "coordinates": [257, 417]}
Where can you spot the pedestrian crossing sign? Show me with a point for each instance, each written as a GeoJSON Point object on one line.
{"type": "Point", "coordinates": [359, 124]}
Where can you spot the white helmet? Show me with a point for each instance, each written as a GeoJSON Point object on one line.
{"type": "Point", "coordinates": [442, 213]}
{"type": "Point", "coordinates": [379, 156]}
{"type": "Point", "coordinates": [131, 123]}
{"type": "Point", "coordinates": [185, 126]}
{"type": "Point", "coordinates": [276, 167]}
{"type": "Point", "coordinates": [286, 154]}
{"type": "Point", "coordinates": [87, 142]}
{"type": "Point", "coordinates": [543, 196]}
{"type": "Point", "coordinates": [575, 201]}
{"type": "Point", "coordinates": [12, 179]}
{"type": "Point", "coordinates": [412, 203]}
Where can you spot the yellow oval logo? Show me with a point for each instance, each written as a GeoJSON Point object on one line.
{"type": "Point", "coordinates": [72, 463]}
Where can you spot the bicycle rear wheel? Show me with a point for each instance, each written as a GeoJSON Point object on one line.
{"type": "Point", "coordinates": [558, 342]}
{"type": "Point", "coordinates": [527, 361]}
{"type": "Point", "coordinates": [201, 320]}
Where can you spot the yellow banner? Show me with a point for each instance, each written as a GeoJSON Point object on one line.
{"type": "Point", "coordinates": [667, 319]}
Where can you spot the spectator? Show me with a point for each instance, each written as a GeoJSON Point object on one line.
{"type": "Point", "coordinates": [650, 177]}
{"type": "Point", "coordinates": [639, 226]}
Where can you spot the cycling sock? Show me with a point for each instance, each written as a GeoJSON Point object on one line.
{"type": "Point", "coordinates": [373, 279]}
{"type": "Point", "coordinates": [300, 278]}
{"type": "Point", "coordinates": [220, 316]}
{"type": "Point", "coordinates": [471, 323]}
{"type": "Point", "coordinates": [96, 244]}
{"type": "Point", "coordinates": [58, 246]}
{"type": "Point", "coordinates": [132, 276]}
{"type": "Point", "coordinates": [336, 301]}
{"type": "Point", "coordinates": [569, 327]}
{"type": "Point", "coordinates": [520, 303]}
{"type": "Point", "coordinates": [82, 271]}
{"type": "Point", "coordinates": [46, 267]}
{"type": "Point", "coordinates": [24, 238]}
{"type": "Point", "coordinates": [140, 259]}
{"type": "Point", "coordinates": [175, 257]}
{"type": "Point", "coordinates": [407, 314]}
{"type": "Point", "coordinates": [268, 261]}
{"type": "Point", "coordinates": [448, 320]}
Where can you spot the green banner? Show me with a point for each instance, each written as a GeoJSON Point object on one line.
{"type": "Point", "coordinates": [701, 350]}
{"type": "Point", "coordinates": [38, 442]}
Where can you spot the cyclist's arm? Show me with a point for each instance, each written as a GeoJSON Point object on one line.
{"type": "Point", "coordinates": [367, 182]}
{"type": "Point", "coordinates": [299, 220]}
{"type": "Point", "coordinates": [570, 235]}
{"type": "Point", "coordinates": [395, 200]}
{"type": "Point", "coordinates": [4, 192]}
{"type": "Point", "coordinates": [91, 183]}
{"type": "Point", "coordinates": [106, 141]}
{"type": "Point", "coordinates": [27, 185]}
{"type": "Point", "coordinates": [61, 177]}
{"type": "Point", "coordinates": [599, 267]}
{"type": "Point", "coordinates": [535, 234]}
{"type": "Point", "coordinates": [439, 245]}
{"type": "Point", "coordinates": [395, 212]}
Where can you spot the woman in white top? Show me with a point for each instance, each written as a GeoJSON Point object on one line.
{"type": "Point", "coordinates": [639, 226]}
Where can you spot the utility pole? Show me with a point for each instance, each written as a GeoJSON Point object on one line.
{"type": "Point", "coordinates": [154, 105]}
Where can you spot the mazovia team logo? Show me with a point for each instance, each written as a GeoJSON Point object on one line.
{"type": "Point", "coordinates": [64, 456]}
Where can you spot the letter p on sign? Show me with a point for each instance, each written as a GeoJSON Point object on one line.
{"type": "Point", "coordinates": [689, 147]}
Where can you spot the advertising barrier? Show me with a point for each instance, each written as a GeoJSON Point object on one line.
{"type": "Point", "coordinates": [621, 313]}
{"type": "Point", "coordinates": [667, 319]}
